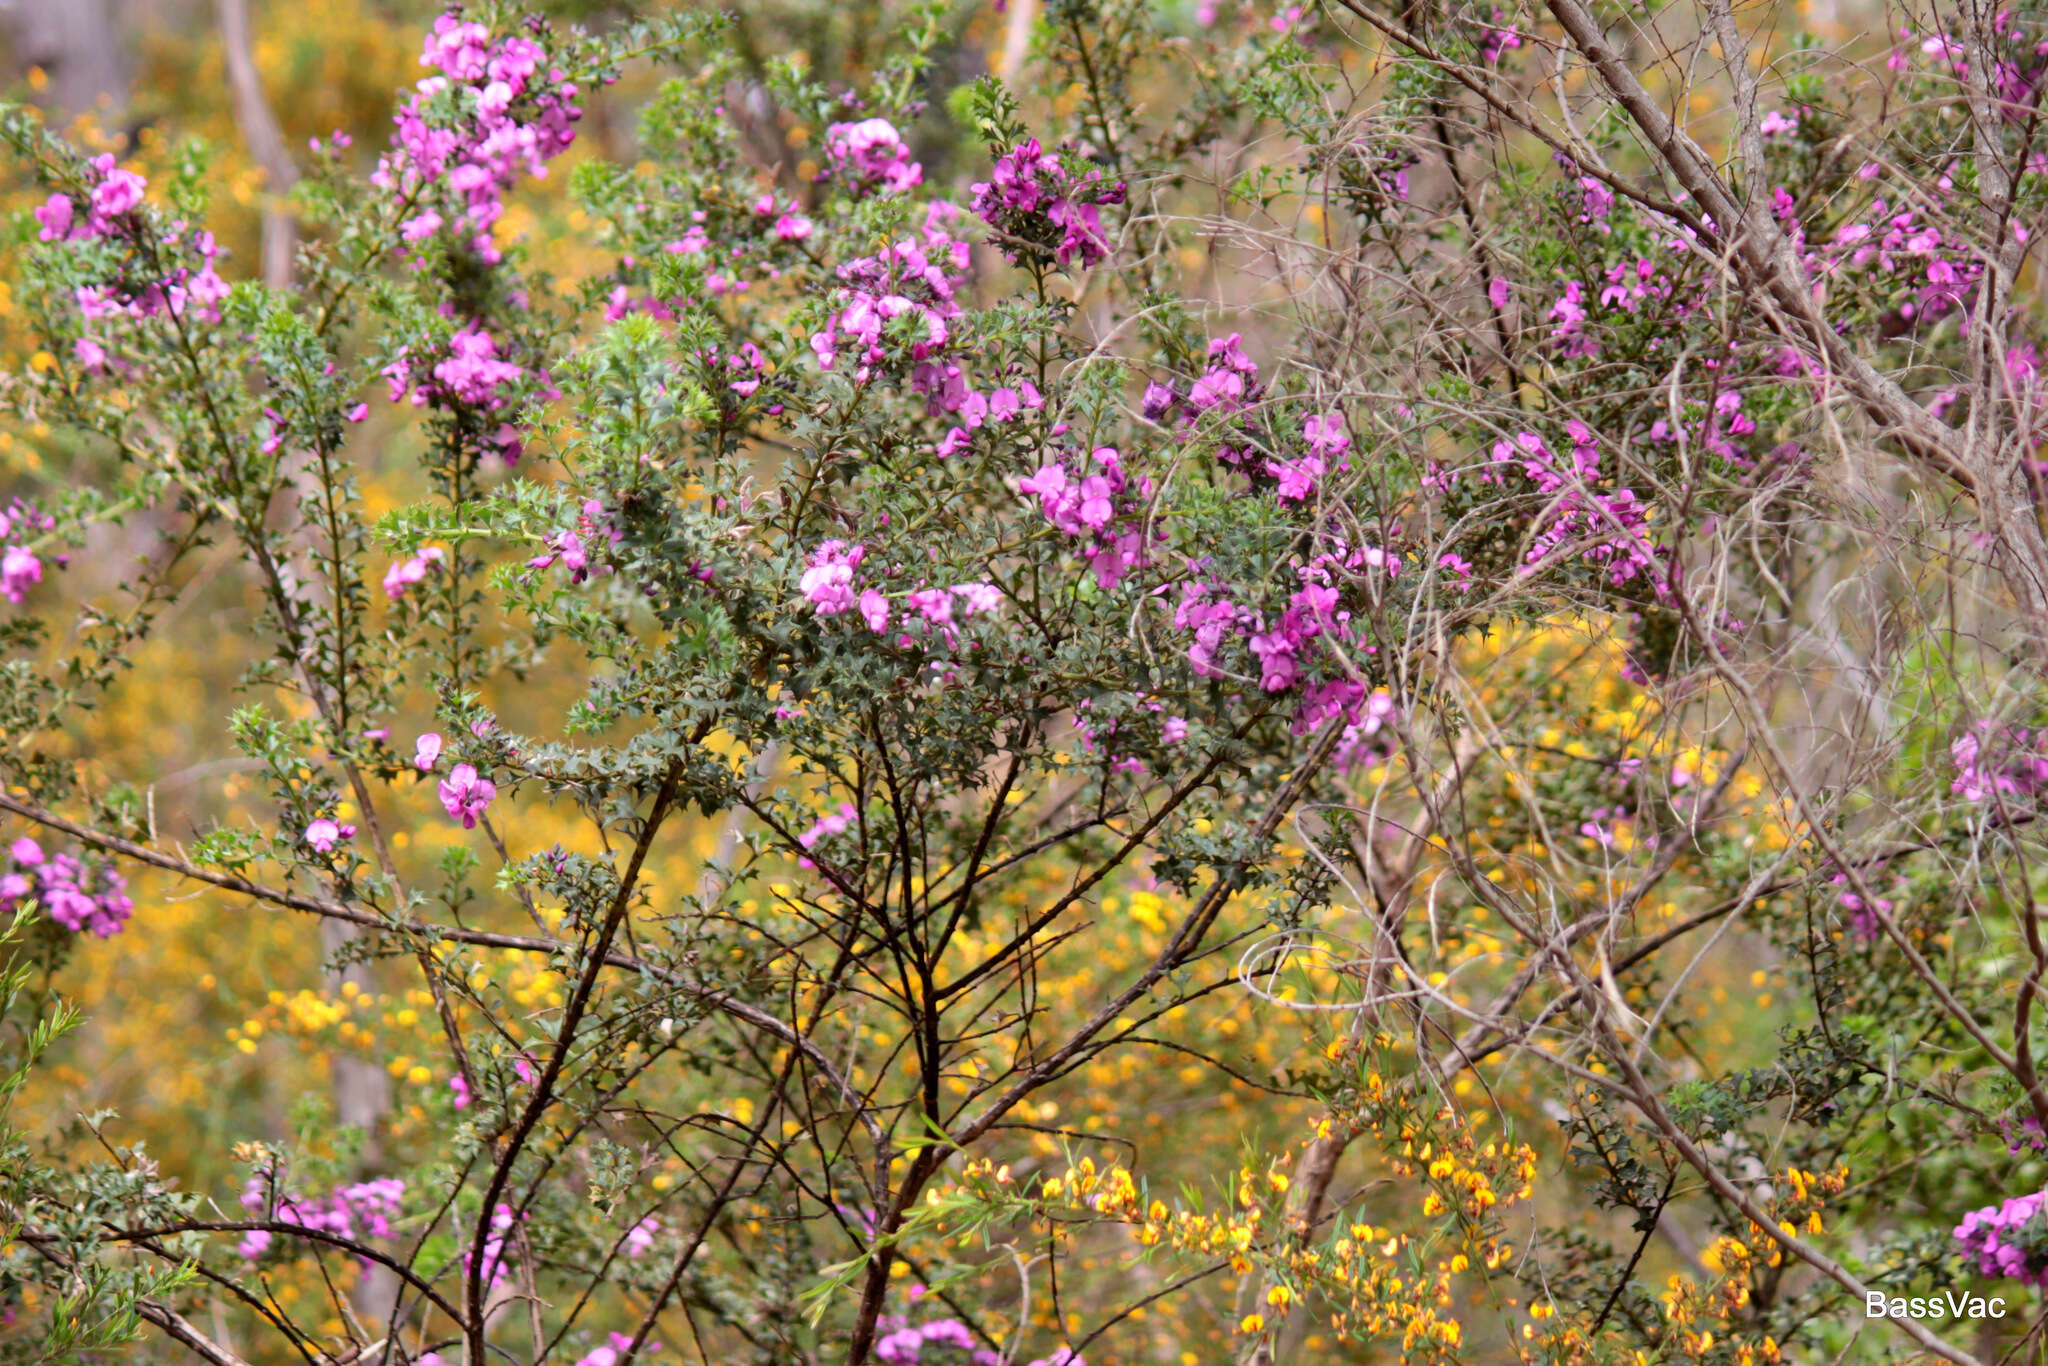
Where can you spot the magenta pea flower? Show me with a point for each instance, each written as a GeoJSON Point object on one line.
{"type": "Point", "coordinates": [466, 795]}
{"type": "Point", "coordinates": [874, 610]}
{"type": "Point", "coordinates": [55, 215]}
{"type": "Point", "coordinates": [405, 573]}
{"type": "Point", "coordinates": [118, 192]}
{"type": "Point", "coordinates": [426, 751]}
{"type": "Point", "coordinates": [640, 1237]}
{"type": "Point", "coordinates": [20, 571]}
{"type": "Point", "coordinates": [323, 834]}
{"type": "Point", "coordinates": [978, 598]}
{"type": "Point", "coordinates": [828, 583]}
{"type": "Point", "coordinates": [833, 823]}
{"type": "Point", "coordinates": [873, 150]}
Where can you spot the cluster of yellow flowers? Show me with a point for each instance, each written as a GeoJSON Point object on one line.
{"type": "Point", "coordinates": [1377, 1282]}
{"type": "Point", "coordinates": [1370, 1273]}
{"type": "Point", "coordinates": [1704, 1315]}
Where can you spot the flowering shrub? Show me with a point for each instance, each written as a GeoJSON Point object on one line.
{"type": "Point", "coordinates": [952, 649]}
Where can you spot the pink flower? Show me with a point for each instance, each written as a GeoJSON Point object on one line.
{"type": "Point", "coordinates": [608, 1355]}
{"type": "Point", "coordinates": [978, 598]}
{"type": "Point", "coordinates": [55, 215]}
{"type": "Point", "coordinates": [91, 355]}
{"type": "Point", "coordinates": [405, 573]}
{"type": "Point", "coordinates": [118, 192]}
{"type": "Point", "coordinates": [473, 372]}
{"type": "Point", "coordinates": [873, 149]}
{"type": "Point", "coordinates": [835, 823]}
{"type": "Point", "coordinates": [1324, 433]}
{"type": "Point", "coordinates": [828, 584]}
{"type": "Point", "coordinates": [640, 1237]}
{"type": "Point", "coordinates": [20, 571]}
{"type": "Point", "coordinates": [1776, 122]}
{"type": "Point", "coordinates": [80, 897]}
{"type": "Point", "coordinates": [359, 412]}
{"type": "Point", "coordinates": [323, 834]}
{"type": "Point", "coordinates": [426, 751]}
{"type": "Point", "coordinates": [466, 796]}
{"type": "Point", "coordinates": [421, 227]}
{"type": "Point", "coordinates": [874, 610]}
{"type": "Point", "coordinates": [1297, 477]}
{"type": "Point", "coordinates": [933, 604]}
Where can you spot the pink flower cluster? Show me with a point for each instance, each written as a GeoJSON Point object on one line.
{"type": "Point", "coordinates": [944, 386]}
{"type": "Point", "coordinates": [20, 568]}
{"type": "Point", "coordinates": [831, 586]}
{"type": "Point", "coordinates": [363, 1210]}
{"type": "Point", "coordinates": [828, 584]}
{"type": "Point", "coordinates": [571, 547]}
{"type": "Point", "coordinates": [491, 1258]}
{"type": "Point", "coordinates": [743, 365]}
{"type": "Point", "coordinates": [904, 1344]}
{"type": "Point", "coordinates": [1040, 209]}
{"type": "Point", "coordinates": [1607, 530]}
{"type": "Point", "coordinates": [494, 112]}
{"type": "Point", "coordinates": [474, 374]}
{"type": "Point", "coordinates": [1230, 384]}
{"type": "Point", "coordinates": [871, 155]}
{"type": "Point", "coordinates": [1284, 648]}
{"type": "Point", "coordinates": [831, 823]}
{"type": "Point", "coordinates": [1291, 650]}
{"type": "Point", "coordinates": [2009, 1239]}
{"type": "Point", "coordinates": [403, 574]}
{"type": "Point", "coordinates": [1496, 38]}
{"type": "Point", "coordinates": [1998, 763]}
{"type": "Point", "coordinates": [1900, 253]}
{"type": "Point", "coordinates": [1096, 502]}
{"type": "Point", "coordinates": [324, 833]}
{"type": "Point", "coordinates": [917, 277]}
{"type": "Point", "coordinates": [640, 1238]}
{"type": "Point", "coordinates": [76, 895]}
{"type": "Point", "coordinates": [1712, 426]}
{"type": "Point", "coordinates": [114, 195]}
{"type": "Point", "coordinates": [1625, 286]}
{"type": "Point", "coordinates": [1327, 443]}
{"type": "Point", "coordinates": [1864, 920]}
{"type": "Point", "coordinates": [466, 795]}
{"type": "Point", "coordinates": [613, 1349]}
{"type": "Point", "coordinates": [191, 289]}
{"type": "Point", "coordinates": [184, 291]}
